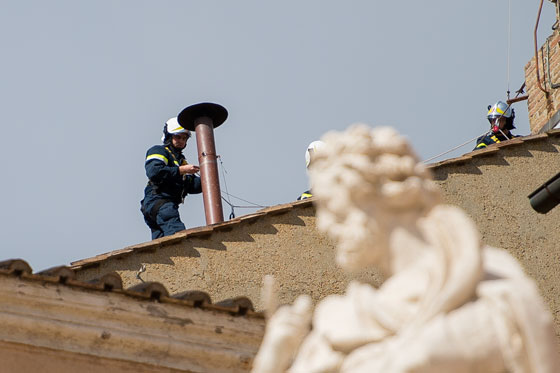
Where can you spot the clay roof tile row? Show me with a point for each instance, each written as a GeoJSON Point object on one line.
{"type": "Point", "coordinates": [112, 282]}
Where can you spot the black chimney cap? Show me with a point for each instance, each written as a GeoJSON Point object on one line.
{"type": "Point", "coordinates": [188, 115]}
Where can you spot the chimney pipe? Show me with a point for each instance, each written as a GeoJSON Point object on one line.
{"type": "Point", "coordinates": [203, 118]}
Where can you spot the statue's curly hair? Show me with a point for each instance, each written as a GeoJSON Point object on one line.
{"type": "Point", "coordinates": [366, 167]}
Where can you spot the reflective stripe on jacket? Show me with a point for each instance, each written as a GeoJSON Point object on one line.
{"type": "Point", "coordinates": [165, 181]}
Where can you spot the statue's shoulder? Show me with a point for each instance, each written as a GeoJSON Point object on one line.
{"type": "Point", "coordinates": [450, 214]}
{"type": "Point", "coordinates": [500, 264]}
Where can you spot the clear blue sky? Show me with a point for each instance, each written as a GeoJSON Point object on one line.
{"type": "Point", "coordinates": [87, 86]}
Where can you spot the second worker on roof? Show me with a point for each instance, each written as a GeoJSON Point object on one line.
{"type": "Point", "coordinates": [501, 116]}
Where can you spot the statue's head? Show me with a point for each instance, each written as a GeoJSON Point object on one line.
{"type": "Point", "coordinates": [366, 181]}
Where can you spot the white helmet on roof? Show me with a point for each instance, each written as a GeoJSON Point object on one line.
{"type": "Point", "coordinates": [311, 149]}
{"type": "Point", "coordinates": [172, 127]}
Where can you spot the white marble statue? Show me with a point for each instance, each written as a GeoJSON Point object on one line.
{"type": "Point", "coordinates": [448, 304]}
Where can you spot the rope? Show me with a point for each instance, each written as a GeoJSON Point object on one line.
{"type": "Point", "coordinates": [455, 148]}
{"type": "Point", "coordinates": [241, 199]}
{"type": "Point", "coordinates": [466, 142]}
{"type": "Point", "coordinates": [241, 207]}
{"type": "Point", "coordinates": [502, 132]}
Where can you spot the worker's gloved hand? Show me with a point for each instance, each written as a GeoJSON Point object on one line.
{"type": "Point", "coordinates": [188, 169]}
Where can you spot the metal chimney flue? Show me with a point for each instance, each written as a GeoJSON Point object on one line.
{"type": "Point", "coordinates": [203, 118]}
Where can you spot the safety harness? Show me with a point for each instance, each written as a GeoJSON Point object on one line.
{"type": "Point", "coordinates": [161, 201]}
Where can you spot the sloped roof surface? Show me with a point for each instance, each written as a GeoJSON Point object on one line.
{"type": "Point", "coordinates": [152, 246]}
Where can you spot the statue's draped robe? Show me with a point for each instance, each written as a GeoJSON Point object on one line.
{"type": "Point", "coordinates": [459, 307]}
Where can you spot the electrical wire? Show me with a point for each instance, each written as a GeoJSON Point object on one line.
{"type": "Point", "coordinates": [455, 148]}
{"type": "Point", "coordinates": [228, 201]}
{"type": "Point", "coordinates": [508, 92]}
{"type": "Point", "coordinates": [222, 168]}
{"type": "Point", "coordinates": [508, 48]}
{"type": "Point", "coordinates": [241, 199]}
{"type": "Point", "coordinates": [484, 134]}
{"type": "Point", "coordinates": [241, 207]}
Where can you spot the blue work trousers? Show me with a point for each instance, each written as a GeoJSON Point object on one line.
{"type": "Point", "coordinates": [167, 220]}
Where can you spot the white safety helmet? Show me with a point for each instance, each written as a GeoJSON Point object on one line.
{"type": "Point", "coordinates": [311, 149]}
{"type": "Point", "coordinates": [172, 127]}
{"type": "Point", "coordinates": [501, 109]}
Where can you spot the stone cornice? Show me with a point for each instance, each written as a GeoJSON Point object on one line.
{"type": "Point", "coordinates": [115, 326]}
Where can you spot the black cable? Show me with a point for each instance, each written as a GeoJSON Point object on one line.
{"type": "Point", "coordinates": [232, 214]}
{"type": "Point", "coordinates": [244, 200]}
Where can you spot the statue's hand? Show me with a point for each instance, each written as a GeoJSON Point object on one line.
{"type": "Point", "coordinates": [290, 324]}
{"type": "Point", "coordinates": [285, 332]}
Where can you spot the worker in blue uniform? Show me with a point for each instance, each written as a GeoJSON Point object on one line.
{"type": "Point", "coordinates": [501, 116]}
{"type": "Point", "coordinates": [171, 178]}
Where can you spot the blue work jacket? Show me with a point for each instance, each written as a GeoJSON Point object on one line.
{"type": "Point", "coordinates": [489, 139]}
{"type": "Point", "coordinates": [165, 181]}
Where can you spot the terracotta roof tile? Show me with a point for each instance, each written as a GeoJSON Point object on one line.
{"type": "Point", "coordinates": [91, 262]}
{"type": "Point", "coordinates": [485, 152]}
{"type": "Point", "coordinates": [109, 281]}
{"type": "Point", "coordinates": [198, 298]}
{"type": "Point", "coordinates": [226, 226]}
{"type": "Point", "coordinates": [241, 304]}
{"type": "Point", "coordinates": [15, 266]}
{"type": "Point", "coordinates": [251, 217]}
{"type": "Point", "coordinates": [62, 273]}
{"type": "Point", "coordinates": [199, 231]}
{"type": "Point", "coordinates": [278, 209]}
{"type": "Point", "coordinates": [112, 282]}
{"type": "Point", "coordinates": [536, 137]}
{"type": "Point", "coordinates": [153, 290]}
{"type": "Point", "coordinates": [513, 142]}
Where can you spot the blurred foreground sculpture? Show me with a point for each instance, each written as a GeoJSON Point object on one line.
{"type": "Point", "coordinates": [449, 303]}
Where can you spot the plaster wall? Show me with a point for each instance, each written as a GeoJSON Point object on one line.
{"type": "Point", "coordinates": [232, 262]}
{"type": "Point", "coordinates": [493, 190]}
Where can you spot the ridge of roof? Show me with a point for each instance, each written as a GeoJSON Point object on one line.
{"type": "Point", "coordinates": [199, 232]}
{"type": "Point", "coordinates": [147, 291]}
{"type": "Point", "coordinates": [494, 149]}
